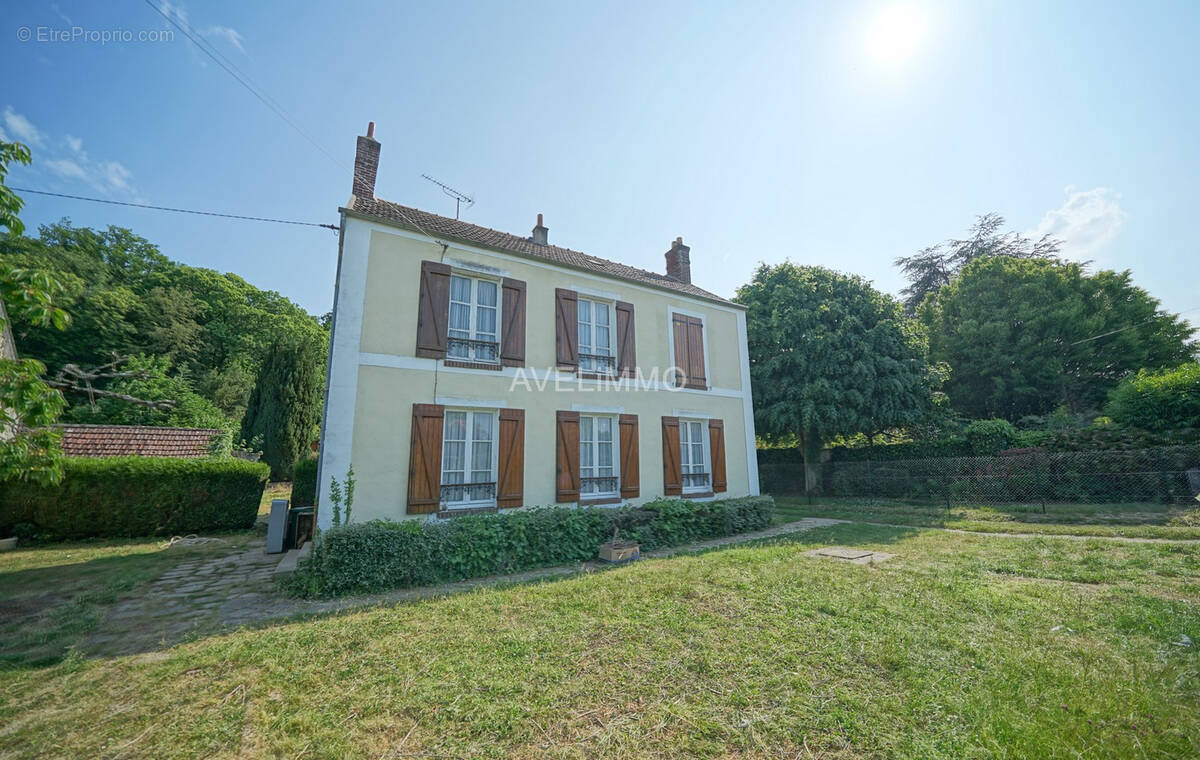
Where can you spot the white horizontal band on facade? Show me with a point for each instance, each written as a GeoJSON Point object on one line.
{"type": "Point", "coordinates": [536, 377]}
{"type": "Point", "coordinates": [694, 414]}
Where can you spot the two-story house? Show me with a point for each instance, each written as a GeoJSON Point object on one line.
{"type": "Point", "coordinates": [476, 370]}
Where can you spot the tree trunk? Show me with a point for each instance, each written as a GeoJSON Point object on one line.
{"type": "Point", "coordinates": [810, 449]}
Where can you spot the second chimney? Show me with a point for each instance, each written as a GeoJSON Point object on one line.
{"type": "Point", "coordinates": [541, 233]}
{"type": "Point", "coordinates": [366, 164]}
{"type": "Point", "coordinates": [679, 262]}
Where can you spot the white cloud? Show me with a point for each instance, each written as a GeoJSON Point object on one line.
{"type": "Point", "coordinates": [180, 15]}
{"type": "Point", "coordinates": [21, 128]}
{"type": "Point", "coordinates": [116, 175]}
{"type": "Point", "coordinates": [228, 33]}
{"type": "Point", "coordinates": [67, 169]}
{"type": "Point", "coordinates": [1086, 222]}
{"type": "Point", "coordinates": [65, 158]}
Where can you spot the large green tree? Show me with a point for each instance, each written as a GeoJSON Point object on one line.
{"type": "Point", "coordinates": [930, 268]}
{"type": "Point", "coordinates": [285, 405]}
{"type": "Point", "coordinates": [127, 298]}
{"type": "Point", "coordinates": [830, 355]}
{"type": "Point", "coordinates": [1024, 336]}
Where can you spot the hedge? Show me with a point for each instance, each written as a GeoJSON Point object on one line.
{"type": "Point", "coordinates": [1146, 475]}
{"type": "Point", "coordinates": [304, 482]}
{"type": "Point", "coordinates": [383, 555]}
{"type": "Point", "coordinates": [136, 496]}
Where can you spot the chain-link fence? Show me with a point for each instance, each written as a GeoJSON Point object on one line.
{"type": "Point", "coordinates": [1165, 474]}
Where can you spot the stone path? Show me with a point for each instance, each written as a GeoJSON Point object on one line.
{"type": "Point", "coordinates": [1073, 537]}
{"type": "Point", "coordinates": [206, 595]}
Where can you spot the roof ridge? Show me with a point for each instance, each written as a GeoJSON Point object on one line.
{"type": "Point", "coordinates": [477, 234]}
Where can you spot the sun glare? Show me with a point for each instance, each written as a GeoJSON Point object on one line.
{"type": "Point", "coordinates": [896, 33]}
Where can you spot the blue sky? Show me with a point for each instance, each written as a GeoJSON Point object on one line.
{"type": "Point", "coordinates": [842, 134]}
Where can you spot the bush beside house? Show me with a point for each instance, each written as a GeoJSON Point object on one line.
{"type": "Point", "coordinates": [381, 555]}
{"type": "Point", "coordinates": [304, 482]}
{"type": "Point", "coordinates": [136, 496]}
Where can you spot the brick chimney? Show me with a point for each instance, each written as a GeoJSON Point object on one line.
{"type": "Point", "coordinates": [366, 164]}
{"type": "Point", "coordinates": [679, 262]}
{"type": "Point", "coordinates": [540, 233]}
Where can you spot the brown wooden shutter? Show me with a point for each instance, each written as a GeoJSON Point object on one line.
{"type": "Point", "coordinates": [679, 336]}
{"type": "Point", "coordinates": [630, 474]}
{"type": "Point", "coordinates": [567, 464]}
{"type": "Point", "coordinates": [433, 310]}
{"type": "Point", "coordinates": [716, 451]}
{"type": "Point", "coordinates": [510, 478]}
{"type": "Point", "coordinates": [626, 341]}
{"type": "Point", "coordinates": [566, 321]}
{"type": "Point", "coordinates": [688, 336]}
{"type": "Point", "coordinates": [696, 375]}
{"type": "Point", "coordinates": [512, 331]}
{"type": "Point", "coordinates": [425, 459]}
{"type": "Point", "coordinates": [672, 472]}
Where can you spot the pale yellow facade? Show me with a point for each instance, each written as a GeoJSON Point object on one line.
{"type": "Point", "coordinates": [375, 378]}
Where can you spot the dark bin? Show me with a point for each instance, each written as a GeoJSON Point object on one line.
{"type": "Point", "coordinates": [300, 524]}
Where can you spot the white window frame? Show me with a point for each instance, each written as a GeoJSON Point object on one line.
{"type": "Point", "coordinates": [615, 422]}
{"type": "Point", "coordinates": [611, 307]}
{"type": "Point", "coordinates": [473, 308]}
{"type": "Point", "coordinates": [469, 465]}
{"type": "Point", "coordinates": [686, 451]}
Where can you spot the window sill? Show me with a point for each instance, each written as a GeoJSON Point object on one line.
{"type": "Point", "coordinates": [472, 365]}
{"type": "Point", "coordinates": [444, 514]}
{"type": "Point", "coordinates": [600, 500]}
{"type": "Point", "coordinates": [587, 375]}
{"type": "Point", "coordinates": [697, 494]}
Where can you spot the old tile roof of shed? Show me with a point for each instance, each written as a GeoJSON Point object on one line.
{"type": "Point", "coordinates": [445, 227]}
{"type": "Point", "coordinates": [131, 440]}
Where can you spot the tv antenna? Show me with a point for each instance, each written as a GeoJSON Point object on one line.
{"type": "Point", "coordinates": [459, 198]}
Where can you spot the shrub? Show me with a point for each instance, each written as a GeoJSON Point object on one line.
{"type": "Point", "coordinates": [137, 496]}
{"type": "Point", "coordinates": [304, 482]}
{"type": "Point", "coordinates": [1158, 401]}
{"type": "Point", "coordinates": [381, 555]}
{"type": "Point", "coordinates": [989, 436]}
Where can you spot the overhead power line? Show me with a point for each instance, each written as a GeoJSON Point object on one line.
{"type": "Point", "coordinates": [178, 210]}
{"type": "Point", "coordinates": [1130, 327]}
{"type": "Point", "coordinates": [267, 100]}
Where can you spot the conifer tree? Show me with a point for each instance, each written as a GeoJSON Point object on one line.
{"type": "Point", "coordinates": [285, 405]}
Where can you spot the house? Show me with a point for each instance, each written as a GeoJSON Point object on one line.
{"type": "Point", "coordinates": [475, 370]}
{"type": "Point", "coordinates": [136, 440]}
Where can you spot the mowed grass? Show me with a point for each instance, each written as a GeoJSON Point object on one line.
{"type": "Point", "coordinates": [960, 647]}
{"type": "Point", "coordinates": [1143, 520]}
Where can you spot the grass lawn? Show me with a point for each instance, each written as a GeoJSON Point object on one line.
{"type": "Point", "coordinates": [960, 647]}
{"type": "Point", "coordinates": [1133, 520]}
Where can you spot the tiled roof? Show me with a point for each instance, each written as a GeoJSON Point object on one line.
{"type": "Point", "coordinates": [131, 440]}
{"type": "Point", "coordinates": [454, 229]}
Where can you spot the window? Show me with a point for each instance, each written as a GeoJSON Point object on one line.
{"type": "Point", "coordinates": [598, 476]}
{"type": "Point", "coordinates": [693, 455]}
{"type": "Point", "coordinates": [474, 307]}
{"type": "Point", "coordinates": [596, 338]}
{"type": "Point", "coordinates": [469, 459]}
